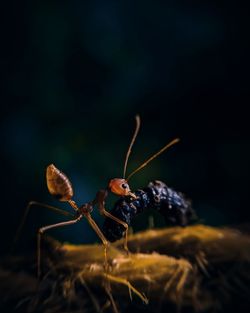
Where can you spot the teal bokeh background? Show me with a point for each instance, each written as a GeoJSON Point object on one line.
{"type": "Point", "coordinates": [76, 73]}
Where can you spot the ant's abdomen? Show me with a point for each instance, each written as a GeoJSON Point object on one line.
{"type": "Point", "coordinates": [58, 184]}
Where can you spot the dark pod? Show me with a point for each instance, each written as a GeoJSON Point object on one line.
{"type": "Point", "coordinates": [173, 205]}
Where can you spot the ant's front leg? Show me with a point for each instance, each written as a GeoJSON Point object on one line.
{"type": "Point", "coordinates": [100, 201]}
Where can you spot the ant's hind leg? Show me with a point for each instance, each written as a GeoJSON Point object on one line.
{"type": "Point", "coordinates": [44, 229]}
{"type": "Point", "coordinates": [26, 212]}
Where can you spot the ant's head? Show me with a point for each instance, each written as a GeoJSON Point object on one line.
{"type": "Point", "coordinates": [120, 187]}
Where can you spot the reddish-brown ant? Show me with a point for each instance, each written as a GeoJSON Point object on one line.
{"type": "Point", "coordinates": [60, 187]}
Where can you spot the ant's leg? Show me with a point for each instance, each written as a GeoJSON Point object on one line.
{"type": "Point", "coordinates": [45, 228]}
{"type": "Point", "coordinates": [110, 277]}
{"type": "Point", "coordinates": [39, 204]}
{"type": "Point", "coordinates": [100, 201]}
{"type": "Point", "coordinates": [96, 229]}
{"type": "Point", "coordinates": [103, 211]}
{"type": "Point", "coordinates": [100, 235]}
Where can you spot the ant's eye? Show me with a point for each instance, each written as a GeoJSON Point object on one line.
{"type": "Point", "coordinates": [124, 186]}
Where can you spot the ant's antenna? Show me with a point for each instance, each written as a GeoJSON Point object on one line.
{"type": "Point", "coordinates": [171, 143]}
{"type": "Point", "coordinates": [137, 127]}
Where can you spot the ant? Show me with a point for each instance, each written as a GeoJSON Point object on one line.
{"type": "Point", "coordinates": [60, 187]}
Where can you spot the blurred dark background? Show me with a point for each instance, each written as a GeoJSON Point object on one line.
{"type": "Point", "coordinates": [76, 73]}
